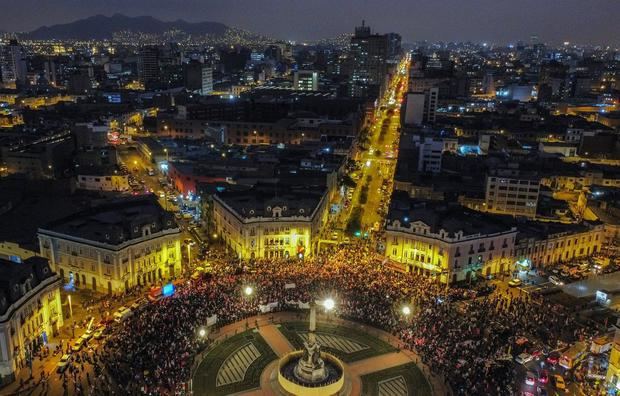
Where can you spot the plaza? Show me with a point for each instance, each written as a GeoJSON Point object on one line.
{"type": "Point", "coordinates": [373, 362]}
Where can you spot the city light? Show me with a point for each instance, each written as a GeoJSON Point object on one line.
{"type": "Point", "coordinates": [329, 304]}
{"type": "Point", "coordinates": [406, 310]}
{"type": "Point", "coordinates": [248, 290]}
{"type": "Point", "coordinates": [202, 332]}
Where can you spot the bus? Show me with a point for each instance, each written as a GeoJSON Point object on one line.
{"type": "Point", "coordinates": [573, 355]}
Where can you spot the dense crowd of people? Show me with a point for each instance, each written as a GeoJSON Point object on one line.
{"type": "Point", "coordinates": [466, 342]}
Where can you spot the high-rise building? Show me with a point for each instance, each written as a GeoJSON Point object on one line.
{"type": "Point", "coordinates": [49, 70]}
{"type": "Point", "coordinates": [13, 66]}
{"type": "Point", "coordinates": [421, 107]}
{"type": "Point", "coordinates": [198, 77]}
{"type": "Point", "coordinates": [207, 80]}
{"type": "Point", "coordinates": [369, 54]}
{"type": "Point", "coordinates": [394, 46]}
{"type": "Point", "coordinates": [149, 65]}
{"type": "Point", "coordinates": [306, 80]}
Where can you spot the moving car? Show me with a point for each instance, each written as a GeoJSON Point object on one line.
{"type": "Point", "coordinates": [553, 358]}
{"type": "Point", "coordinates": [543, 377]}
{"type": "Point", "coordinates": [514, 282]}
{"type": "Point", "coordinates": [523, 358]}
{"type": "Point", "coordinates": [530, 379]}
{"type": "Point", "coordinates": [64, 362]}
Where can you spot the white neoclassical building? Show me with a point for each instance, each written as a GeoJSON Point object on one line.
{"type": "Point", "coordinates": [112, 247]}
{"type": "Point", "coordinates": [30, 311]}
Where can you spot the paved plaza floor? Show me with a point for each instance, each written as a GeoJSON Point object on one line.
{"type": "Point", "coordinates": [245, 357]}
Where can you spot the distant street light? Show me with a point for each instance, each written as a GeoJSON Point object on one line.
{"type": "Point", "coordinates": [406, 311]}
{"type": "Point", "coordinates": [202, 332]}
{"type": "Point", "coordinates": [248, 290]}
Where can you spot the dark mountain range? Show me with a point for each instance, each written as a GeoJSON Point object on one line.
{"type": "Point", "coordinates": [101, 27]}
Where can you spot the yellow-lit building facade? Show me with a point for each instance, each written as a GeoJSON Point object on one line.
{"type": "Point", "coordinates": [279, 227]}
{"type": "Point", "coordinates": [446, 240]}
{"type": "Point", "coordinates": [30, 312]}
{"type": "Point", "coordinates": [550, 246]}
{"type": "Point", "coordinates": [138, 245]}
{"type": "Point", "coordinates": [454, 257]}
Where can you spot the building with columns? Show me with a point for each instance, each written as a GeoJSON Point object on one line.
{"type": "Point", "coordinates": [546, 244]}
{"type": "Point", "coordinates": [436, 238]}
{"type": "Point", "coordinates": [271, 221]}
{"type": "Point", "coordinates": [114, 246]}
{"type": "Point", "coordinates": [30, 311]}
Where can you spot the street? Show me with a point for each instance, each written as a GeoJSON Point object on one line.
{"type": "Point", "coordinates": [376, 158]}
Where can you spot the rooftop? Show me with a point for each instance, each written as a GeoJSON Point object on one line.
{"type": "Point", "coordinates": [440, 215]}
{"type": "Point", "coordinates": [263, 199]}
{"type": "Point", "coordinates": [116, 222]}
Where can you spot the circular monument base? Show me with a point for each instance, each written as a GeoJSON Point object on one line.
{"type": "Point", "coordinates": [286, 385]}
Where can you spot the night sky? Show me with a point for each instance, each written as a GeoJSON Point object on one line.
{"type": "Point", "coordinates": [500, 21]}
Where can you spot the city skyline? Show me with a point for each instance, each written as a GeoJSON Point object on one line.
{"type": "Point", "coordinates": [500, 22]}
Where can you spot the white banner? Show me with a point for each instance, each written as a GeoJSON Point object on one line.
{"type": "Point", "coordinates": [211, 320]}
{"type": "Point", "coordinates": [290, 286]}
{"type": "Point", "coordinates": [269, 307]}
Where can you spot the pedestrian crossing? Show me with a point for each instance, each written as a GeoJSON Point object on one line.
{"type": "Point", "coordinates": [396, 386]}
{"type": "Point", "coordinates": [235, 366]}
{"type": "Point", "coordinates": [342, 344]}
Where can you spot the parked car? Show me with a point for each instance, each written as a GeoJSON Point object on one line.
{"type": "Point", "coordinates": [64, 362]}
{"type": "Point", "coordinates": [99, 332]}
{"type": "Point", "coordinates": [559, 382]}
{"type": "Point", "coordinates": [78, 344]}
{"type": "Point", "coordinates": [514, 282]}
{"type": "Point", "coordinates": [138, 304]}
{"type": "Point", "coordinates": [121, 314]}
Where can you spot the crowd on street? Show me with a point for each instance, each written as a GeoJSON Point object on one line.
{"type": "Point", "coordinates": [466, 342]}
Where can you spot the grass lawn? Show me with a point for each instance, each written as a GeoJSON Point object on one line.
{"type": "Point", "coordinates": [415, 382]}
{"type": "Point", "coordinates": [204, 382]}
{"type": "Point", "coordinates": [291, 331]}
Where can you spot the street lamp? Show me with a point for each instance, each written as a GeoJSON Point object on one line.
{"type": "Point", "coordinates": [189, 254]}
{"type": "Point", "coordinates": [202, 332]}
{"type": "Point", "coordinates": [329, 304]}
{"type": "Point", "coordinates": [406, 310]}
{"type": "Point", "coordinates": [248, 290]}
